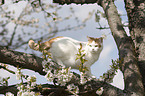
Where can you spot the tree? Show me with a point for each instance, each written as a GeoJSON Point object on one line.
{"type": "Point", "coordinates": [131, 53]}
{"type": "Point", "coordinates": [131, 49]}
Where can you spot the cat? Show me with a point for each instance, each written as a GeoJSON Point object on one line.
{"type": "Point", "coordinates": [64, 49]}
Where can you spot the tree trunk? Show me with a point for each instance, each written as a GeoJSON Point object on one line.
{"type": "Point", "coordinates": [136, 16]}
{"type": "Point", "coordinates": [129, 67]}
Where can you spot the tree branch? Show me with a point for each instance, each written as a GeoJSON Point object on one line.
{"type": "Point", "coordinates": [2, 2]}
{"type": "Point", "coordinates": [15, 28]}
{"type": "Point", "coordinates": [22, 60]}
{"type": "Point", "coordinates": [47, 89]}
{"type": "Point", "coordinates": [4, 89]}
{"type": "Point", "coordinates": [61, 2]}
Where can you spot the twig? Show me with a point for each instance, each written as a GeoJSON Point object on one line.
{"type": "Point", "coordinates": [2, 67]}
{"type": "Point", "coordinates": [14, 31]}
{"type": "Point", "coordinates": [50, 35]}
{"type": "Point", "coordinates": [101, 28]}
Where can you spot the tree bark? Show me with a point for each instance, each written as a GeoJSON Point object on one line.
{"type": "Point", "coordinates": [4, 89]}
{"type": "Point", "coordinates": [21, 60]}
{"type": "Point", "coordinates": [129, 67]}
{"type": "Point", "coordinates": [136, 16]}
{"type": "Point", "coordinates": [48, 89]}
{"type": "Point", "coordinates": [61, 2]}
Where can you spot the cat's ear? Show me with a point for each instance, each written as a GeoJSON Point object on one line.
{"type": "Point", "coordinates": [89, 38]}
{"type": "Point", "coordinates": [101, 39]}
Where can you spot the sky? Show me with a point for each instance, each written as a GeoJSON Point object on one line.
{"type": "Point", "coordinates": [81, 11]}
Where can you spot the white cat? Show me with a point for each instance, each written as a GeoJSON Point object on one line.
{"type": "Point", "coordinates": [64, 49]}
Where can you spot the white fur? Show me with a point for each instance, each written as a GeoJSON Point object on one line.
{"type": "Point", "coordinates": [64, 52]}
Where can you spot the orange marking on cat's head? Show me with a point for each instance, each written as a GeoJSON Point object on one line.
{"type": "Point", "coordinates": [97, 40]}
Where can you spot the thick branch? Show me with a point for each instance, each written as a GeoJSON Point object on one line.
{"type": "Point", "coordinates": [61, 2]}
{"type": "Point", "coordinates": [2, 2]}
{"type": "Point", "coordinates": [48, 89]}
{"type": "Point", "coordinates": [109, 90]}
{"type": "Point", "coordinates": [22, 60]}
{"type": "Point", "coordinates": [4, 89]}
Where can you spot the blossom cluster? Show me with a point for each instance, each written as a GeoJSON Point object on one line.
{"type": "Point", "coordinates": [109, 75]}
{"type": "Point", "coordinates": [62, 74]}
{"type": "Point", "coordinates": [18, 74]}
{"type": "Point", "coordinates": [4, 81]}
{"type": "Point", "coordinates": [83, 79]}
{"type": "Point", "coordinates": [26, 93]}
{"type": "Point", "coordinates": [31, 82]}
{"type": "Point", "coordinates": [25, 89]}
{"type": "Point", "coordinates": [73, 88]}
{"type": "Point", "coordinates": [25, 22]}
{"type": "Point", "coordinates": [100, 91]}
{"type": "Point", "coordinates": [9, 94]}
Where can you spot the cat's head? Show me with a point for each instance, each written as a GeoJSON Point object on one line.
{"type": "Point", "coordinates": [95, 44]}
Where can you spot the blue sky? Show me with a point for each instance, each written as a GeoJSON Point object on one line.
{"type": "Point", "coordinates": [81, 11]}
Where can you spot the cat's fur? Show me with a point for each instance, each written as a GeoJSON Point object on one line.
{"type": "Point", "coordinates": [64, 50]}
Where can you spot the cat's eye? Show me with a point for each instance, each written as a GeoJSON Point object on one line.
{"type": "Point", "coordinates": [90, 45]}
{"type": "Point", "coordinates": [96, 45]}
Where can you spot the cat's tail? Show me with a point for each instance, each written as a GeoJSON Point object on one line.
{"type": "Point", "coordinates": [33, 45]}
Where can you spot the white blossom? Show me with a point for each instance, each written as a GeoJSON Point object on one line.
{"type": "Point", "coordinates": [64, 75]}
{"type": "Point", "coordinates": [47, 65]}
{"type": "Point", "coordinates": [18, 74]}
{"type": "Point", "coordinates": [9, 94]}
{"type": "Point", "coordinates": [73, 88]}
{"type": "Point", "coordinates": [25, 90]}
{"type": "Point", "coordinates": [82, 78]}
{"type": "Point", "coordinates": [27, 93]}
{"type": "Point", "coordinates": [44, 62]}
{"type": "Point", "coordinates": [49, 76]}
{"type": "Point", "coordinates": [104, 36]}
{"type": "Point", "coordinates": [100, 91]}
{"type": "Point", "coordinates": [31, 78]}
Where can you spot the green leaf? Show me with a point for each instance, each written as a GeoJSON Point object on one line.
{"type": "Point", "coordinates": [80, 69]}
{"type": "Point", "coordinates": [77, 59]}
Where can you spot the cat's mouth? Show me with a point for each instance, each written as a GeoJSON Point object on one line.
{"type": "Point", "coordinates": [94, 51]}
